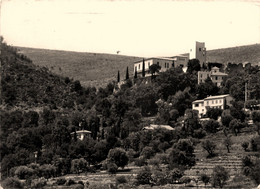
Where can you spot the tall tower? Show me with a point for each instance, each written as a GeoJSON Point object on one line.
{"type": "Point", "coordinates": [198, 51]}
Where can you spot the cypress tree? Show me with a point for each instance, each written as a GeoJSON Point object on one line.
{"type": "Point", "coordinates": [127, 74]}
{"type": "Point", "coordinates": [143, 71]}
{"type": "Point", "coordinates": [118, 77]}
{"type": "Point", "coordinates": [135, 74]}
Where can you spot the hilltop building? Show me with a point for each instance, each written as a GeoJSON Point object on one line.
{"type": "Point", "coordinates": [198, 51]}
{"type": "Point", "coordinates": [215, 75]}
{"type": "Point", "coordinates": [165, 63]}
{"type": "Point", "coordinates": [220, 101]}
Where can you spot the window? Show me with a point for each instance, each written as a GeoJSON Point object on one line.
{"type": "Point", "coordinates": [220, 101]}
{"type": "Point", "coordinates": [139, 66]}
{"type": "Point", "coordinates": [216, 77]}
{"type": "Point", "coordinates": [212, 101]}
{"type": "Point", "coordinates": [200, 75]}
{"type": "Point", "coordinates": [203, 110]}
{"type": "Point", "coordinates": [165, 65]}
{"type": "Point", "coordinates": [158, 63]}
{"type": "Point", "coordinates": [202, 104]}
{"type": "Point", "coordinates": [207, 102]}
{"type": "Point", "coordinates": [148, 64]}
{"type": "Point", "coordinates": [196, 105]}
{"type": "Point", "coordinates": [135, 68]}
{"type": "Point", "coordinates": [199, 49]}
{"type": "Point", "coordinates": [216, 101]}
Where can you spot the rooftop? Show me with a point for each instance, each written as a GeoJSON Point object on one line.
{"type": "Point", "coordinates": [160, 58]}
{"type": "Point", "coordinates": [213, 97]}
{"type": "Point", "coordinates": [152, 127]}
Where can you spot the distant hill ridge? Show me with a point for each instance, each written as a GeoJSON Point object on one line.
{"type": "Point", "coordinates": [98, 69]}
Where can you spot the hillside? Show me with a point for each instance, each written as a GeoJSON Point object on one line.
{"type": "Point", "coordinates": [89, 68]}
{"type": "Point", "coordinates": [98, 69]}
{"type": "Point", "coordinates": [27, 85]}
{"type": "Point", "coordinates": [248, 53]}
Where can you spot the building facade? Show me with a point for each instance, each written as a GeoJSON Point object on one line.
{"type": "Point", "coordinates": [220, 102]}
{"type": "Point", "coordinates": [198, 51]}
{"type": "Point", "coordinates": [215, 75]}
{"type": "Point", "coordinates": [165, 63]}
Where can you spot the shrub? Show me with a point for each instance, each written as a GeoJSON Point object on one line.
{"type": "Point", "coordinates": [121, 180]}
{"type": "Point", "coordinates": [185, 180]}
{"type": "Point", "coordinates": [147, 152]}
{"type": "Point", "coordinates": [205, 179]}
{"type": "Point", "coordinates": [211, 126]}
{"type": "Point", "coordinates": [112, 167]}
{"type": "Point", "coordinates": [78, 165]}
{"type": "Point", "coordinates": [23, 172]}
{"type": "Point", "coordinates": [219, 176]}
{"type": "Point", "coordinates": [159, 177]}
{"type": "Point", "coordinates": [154, 162]}
{"type": "Point", "coordinates": [38, 183]}
{"type": "Point", "coordinates": [140, 161]}
{"type": "Point", "coordinates": [61, 181]}
{"type": "Point", "coordinates": [174, 176]}
{"type": "Point", "coordinates": [47, 170]}
{"type": "Point", "coordinates": [247, 161]}
{"type": "Point", "coordinates": [81, 182]}
{"type": "Point", "coordinates": [12, 182]}
{"type": "Point", "coordinates": [118, 156]}
{"type": "Point", "coordinates": [70, 182]}
{"type": "Point", "coordinates": [245, 145]}
{"type": "Point", "coordinates": [144, 176]}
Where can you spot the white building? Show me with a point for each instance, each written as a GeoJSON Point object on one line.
{"type": "Point", "coordinates": [215, 75]}
{"type": "Point", "coordinates": [220, 101]}
{"type": "Point", "coordinates": [198, 51]}
{"type": "Point", "coordinates": [82, 134]}
{"type": "Point", "coordinates": [164, 63]}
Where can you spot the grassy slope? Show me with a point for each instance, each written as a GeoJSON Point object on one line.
{"type": "Point", "coordinates": [248, 53]}
{"type": "Point", "coordinates": [89, 68]}
{"type": "Point", "coordinates": [98, 69]}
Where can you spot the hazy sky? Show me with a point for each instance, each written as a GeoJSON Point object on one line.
{"type": "Point", "coordinates": [141, 28]}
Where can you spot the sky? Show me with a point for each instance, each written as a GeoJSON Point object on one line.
{"type": "Point", "coordinates": [137, 28]}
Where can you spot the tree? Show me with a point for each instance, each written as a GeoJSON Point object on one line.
{"type": "Point", "coordinates": [175, 175]}
{"type": "Point", "coordinates": [181, 101]}
{"type": "Point", "coordinates": [226, 119]}
{"type": "Point", "coordinates": [245, 145]}
{"type": "Point", "coordinates": [235, 126]}
{"type": "Point", "coordinates": [143, 70]}
{"type": "Point", "coordinates": [118, 156]}
{"type": "Point", "coordinates": [227, 142]}
{"type": "Point", "coordinates": [182, 154]}
{"type": "Point", "coordinates": [135, 76]}
{"type": "Point", "coordinates": [193, 65]}
{"type": "Point", "coordinates": [154, 68]}
{"type": "Point", "coordinates": [209, 146]}
{"type": "Point", "coordinates": [214, 113]}
{"type": "Point", "coordinates": [211, 126]}
{"type": "Point", "coordinates": [118, 77]}
{"type": "Point", "coordinates": [78, 165]}
{"type": "Point", "coordinates": [256, 119]}
{"type": "Point", "coordinates": [205, 179]}
{"type": "Point", "coordinates": [219, 176]}
{"type": "Point", "coordinates": [144, 176]}
{"type": "Point", "coordinates": [127, 74]}
{"type": "Point", "coordinates": [207, 88]}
